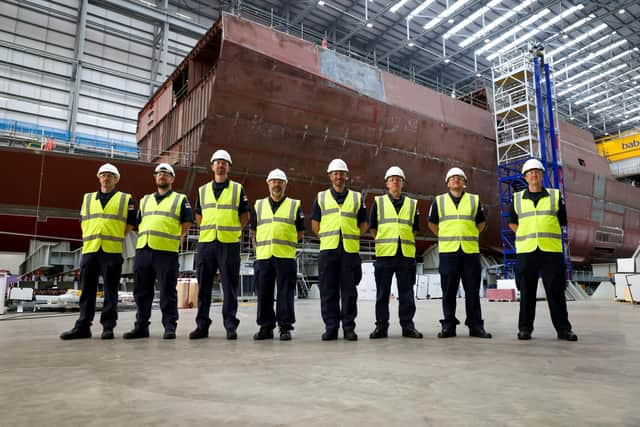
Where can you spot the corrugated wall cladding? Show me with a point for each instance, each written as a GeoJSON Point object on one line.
{"type": "Point", "coordinates": [183, 125]}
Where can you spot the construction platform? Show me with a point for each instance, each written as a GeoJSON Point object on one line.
{"type": "Point", "coordinates": [394, 381]}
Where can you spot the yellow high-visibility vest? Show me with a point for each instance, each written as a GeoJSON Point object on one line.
{"type": "Point", "coordinates": [457, 225]}
{"type": "Point", "coordinates": [394, 225]}
{"type": "Point", "coordinates": [220, 219]}
{"type": "Point", "coordinates": [160, 226]}
{"type": "Point", "coordinates": [276, 234]}
{"type": "Point", "coordinates": [104, 228]}
{"type": "Point", "coordinates": [339, 220]}
{"type": "Point", "coordinates": [538, 226]}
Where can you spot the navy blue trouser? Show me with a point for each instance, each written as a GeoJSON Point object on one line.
{"type": "Point", "coordinates": [93, 265]}
{"type": "Point", "coordinates": [405, 271]}
{"type": "Point", "coordinates": [149, 266]}
{"type": "Point", "coordinates": [340, 272]}
{"type": "Point", "coordinates": [210, 258]}
{"type": "Point", "coordinates": [269, 273]}
{"type": "Point", "coordinates": [453, 267]}
{"type": "Point", "coordinates": [549, 265]}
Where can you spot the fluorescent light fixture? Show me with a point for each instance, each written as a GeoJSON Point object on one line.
{"type": "Point", "coordinates": [578, 23]}
{"type": "Point", "coordinates": [369, 25]}
{"type": "Point", "coordinates": [590, 97]}
{"type": "Point", "coordinates": [446, 61]}
{"type": "Point", "coordinates": [621, 11]}
{"type": "Point", "coordinates": [469, 19]}
{"type": "Point", "coordinates": [181, 15]}
{"type": "Point", "coordinates": [588, 47]}
{"type": "Point", "coordinates": [495, 24]}
{"type": "Point", "coordinates": [320, 3]}
{"type": "Point", "coordinates": [451, 21]}
{"type": "Point", "coordinates": [602, 109]}
{"type": "Point", "coordinates": [588, 58]}
{"type": "Point", "coordinates": [398, 5]}
{"type": "Point", "coordinates": [417, 10]}
{"type": "Point", "coordinates": [432, 23]}
{"type": "Point", "coordinates": [592, 79]}
{"type": "Point", "coordinates": [445, 14]}
{"type": "Point", "coordinates": [633, 119]}
{"type": "Point", "coordinates": [513, 30]}
{"type": "Point", "coordinates": [535, 31]}
{"type": "Point", "coordinates": [411, 44]}
{"type": "Point", "coordinates": [617, 95]}
{"type": "Point", "coordinates": [577, 40]}
{"type": "Point", "coordinates": [596, 67]}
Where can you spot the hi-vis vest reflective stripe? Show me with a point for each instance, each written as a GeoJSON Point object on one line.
{"type": "Point", "coordinates": [276, 234]}
{"type": "Point", "coordinates": [538, 226]}
{"type": "Point", "coordinates": [220, 219]}
{"type": "Point", "coordinates": [160, 227]}
{"type": "Point", "coordinates": [457, 225]}
{"type": "Point", "coordinates": [104, 228]}
{"type": "Point", "coordinates": [394, 225]}
{"type": "Point", "coordinates": [337, 220]}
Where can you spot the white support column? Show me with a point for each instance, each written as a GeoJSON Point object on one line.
{"type": "Point", "coordinates": [77, 68]}
{"type": "Point", "coordinates": [3, 291]}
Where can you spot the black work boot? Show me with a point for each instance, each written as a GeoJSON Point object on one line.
{"type": "Point", "coordinates": [330, 335]}
{"type": "Point", "coordinates": [567, 336]}
{"type": "Point", "coordinates": [350, 335]}
{"type": "Point", "coordinates": [198, 333]}
{"type": "Point", "coordinates": [76, 334]}
{"type": "Point", "coordinates": [447, 333]}
{"type": "Point", "coordinates": [411, 333]}
{"type": "Point", "coordinates": [107, 334]}
{"type": "Point", "coordinates": [136, 333]}
{"type": "Point", "coordinates": [379, 332]}
{"type": "Point", "coordinates": [263, 334]}
{"type": "Point", "coordinates": [285, 335]}
{"type": "Point", "coordinates": [479, 333]}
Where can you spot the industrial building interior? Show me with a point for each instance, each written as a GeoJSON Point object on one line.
{"type": "Point", "coordinates": [292, 84]}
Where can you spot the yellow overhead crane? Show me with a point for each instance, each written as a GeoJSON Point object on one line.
{"type": "Point", "coordinates": [620, 147]}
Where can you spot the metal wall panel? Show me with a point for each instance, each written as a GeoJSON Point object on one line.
{"type": "Point", "coordinates": [116, 72]}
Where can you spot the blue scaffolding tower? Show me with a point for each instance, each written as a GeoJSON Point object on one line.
{"type": "Point", "coordinates": [526, 127]}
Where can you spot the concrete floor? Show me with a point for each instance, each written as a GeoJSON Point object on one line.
{"type": "Point", "coordinates": [391, 382]}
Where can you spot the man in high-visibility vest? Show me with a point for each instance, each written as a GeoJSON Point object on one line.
{"type": "Point", "coordinates": [163, 220]}
{"type": "Point", "coordinates": [457, 218]}
{"type": "Point", "coordinates": [222, 210]}
{"type": "Point", "coordinates": [278, 225]}
{"type": "Point", "coordinates": [537, 216]}
{"type": "Point", "coordinates": [393, 222]}
{"type": "Point", "coordinates": [338, 219]}
{"type": "Point", "coordinates": [106, 217]}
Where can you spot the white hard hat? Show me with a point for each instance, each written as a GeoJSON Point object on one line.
{"type": "Point", "coordinates": [165, 167]}
{"type": "Point", "coordinates": [277, 174]}
{"type": "Point", "coordinates": [108, 167]}
{"type": "Point", "coordinates": [532, 164]}
{"type": "Point", "coordinates": [455, 172]}
{"type": "Point", "coordinates": [337, 165]}
{"type": "Point", "coordinates": [221, 155]}
{"type": "Point", "coordinates": [394, 171]}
